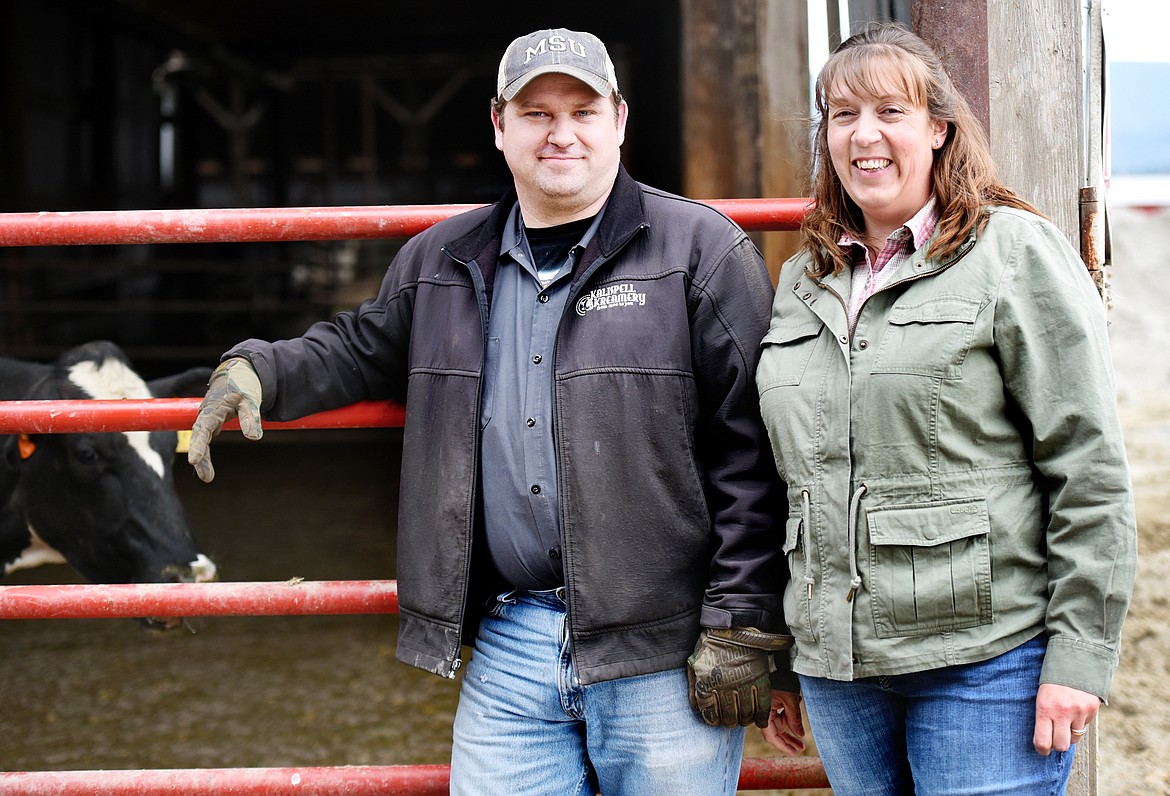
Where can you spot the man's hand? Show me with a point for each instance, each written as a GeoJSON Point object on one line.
{"type": "Point", "coordinates": [233, 391]}
{"type": "Point", "coordinates": [728, 674]}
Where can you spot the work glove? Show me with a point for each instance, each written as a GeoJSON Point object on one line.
{"type": "Point", "coordinates": [728, 674]}
{"type": "Point", "coordinates": [232, 391]}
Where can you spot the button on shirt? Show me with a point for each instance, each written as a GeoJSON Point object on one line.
{"type": "Point", "coordinates": [518, 458]}
{"type": "Point", "coordinates": [869, 277]}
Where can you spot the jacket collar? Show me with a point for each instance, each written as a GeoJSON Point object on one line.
{"type": "Point", "coordinates": [624, 215]}
{"type": "Point", "coordinates": [833, 314]}
{"type": "Point", "coordinates": [841, 282]}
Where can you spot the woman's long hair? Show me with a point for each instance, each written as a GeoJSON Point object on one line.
{"type": "Point", "coordinates": [963, 175]}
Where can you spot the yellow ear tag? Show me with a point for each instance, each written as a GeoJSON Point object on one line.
{"type": "Point", "coordinates": [184, 440]}
{"type": "Point", "coordinates": [26, 446]}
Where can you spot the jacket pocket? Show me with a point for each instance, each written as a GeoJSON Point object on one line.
{"type": "Point", "coordinates": [929, 339]}
{"type": "Point", "coordinates": [797, 600]}
{"type": "Point", "coordinates": [787, 348]}
{"type": "Point", "coordinates": [929, 567]}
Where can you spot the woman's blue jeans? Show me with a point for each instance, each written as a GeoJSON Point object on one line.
{"type": "Point", "coordinates": [943, 732]}
{"type": "Point", "coordinates": [525, 725]}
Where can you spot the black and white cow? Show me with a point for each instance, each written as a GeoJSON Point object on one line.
{"type": "Point", "coordinates": [105, 503]}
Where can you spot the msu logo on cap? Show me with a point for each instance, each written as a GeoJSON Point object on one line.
{"type": "Point", "coordinates": [554, 44]}
{"type": "Point", "coordinates": [574, 53]}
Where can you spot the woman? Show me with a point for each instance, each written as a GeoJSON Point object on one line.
{"type": "Point", "coordinates": [939, 396]}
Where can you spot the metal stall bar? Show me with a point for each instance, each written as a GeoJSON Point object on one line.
{"type": "Point", "coordinates": [129, 600]}
{"type": "Point", "coordinates": [171, 414]}
{"type": "Point", "coordinates": [255, 224]}
{"type": "Point", "coordinates": [430, 780]}
{"type": "Point", "coordinates": [287, 598]}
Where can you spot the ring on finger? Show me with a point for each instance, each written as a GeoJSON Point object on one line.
{"type": "Point", "coordinates": [1079, 732]}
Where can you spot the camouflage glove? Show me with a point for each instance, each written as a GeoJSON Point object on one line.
{"type": "Point", "coordinates": [728, 674]}
{"type": "Point", "coordinates": [233, 391]}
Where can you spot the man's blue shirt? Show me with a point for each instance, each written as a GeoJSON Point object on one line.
{"type": "Point", "coordinates": [518, 456]}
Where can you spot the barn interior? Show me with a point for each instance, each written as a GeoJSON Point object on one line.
{"type": "Point", "coordinates": [143, 104]}
{"type": "Point", "coordinates": [166, 104]}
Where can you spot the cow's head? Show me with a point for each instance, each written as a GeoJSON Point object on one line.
{"type": "Point", "coordinates": [106, 501]}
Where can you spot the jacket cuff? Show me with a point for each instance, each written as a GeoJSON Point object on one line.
{"type": "Point", "coordinates": [723, 618]}
{"type": "Point", "coordinates": [264, 370]}
{"type": "Point", "coordinates": [782, 677]}
{"type": "Point", "coordinates": [1078, 664]}
{"type": "Point", "coordinates": [715, 617]}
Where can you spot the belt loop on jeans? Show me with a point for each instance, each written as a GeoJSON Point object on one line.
{"type": "Point", "coordinates": [557, 595]}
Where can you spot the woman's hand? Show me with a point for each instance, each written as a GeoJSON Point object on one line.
{"type": "Point", "coordinates": [785, 726]}
{"type": "Point", "coordinates": [1060, 710]}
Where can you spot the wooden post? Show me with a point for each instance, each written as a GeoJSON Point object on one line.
{"type": "Point", "coordinates": [1044, 104]}
{"type": "Point", "coordinates": [957, 30]}
{"type": "Point", "coordinates": [745, 105]}
{"type": "Point", "coordinates": [720, 95]}
{"type": "Point", "coordinates": [1037, 104]}
{"type": "Point", "coordinates": [784, 115]}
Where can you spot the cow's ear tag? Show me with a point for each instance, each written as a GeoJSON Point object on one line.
{"type": "Point", "coordinates": [184, 440]}
{"type": "Point", "coordinates": [26, 446]}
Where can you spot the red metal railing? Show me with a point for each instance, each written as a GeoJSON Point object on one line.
{"type": "Point", "coordinates": [756, 774]}
{"type": "Point", "coordinates": [251, 225]}
{"type": "Point", "coordinates": [129, 600]}
{"type": "Point", "coordinates": [267, 599]}
{"type": "Point", "coordinates": [161, 414]}
{"type": "Point", "coordinates": [112, 601]}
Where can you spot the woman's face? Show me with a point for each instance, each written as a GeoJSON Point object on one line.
{"type": "Point", "coordinates": [883, 148]}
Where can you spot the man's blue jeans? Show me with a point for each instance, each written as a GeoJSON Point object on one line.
{"type": "Point", "coordinates": [525, 725]}
{"type": "Point", "coordinates": [944, 732]}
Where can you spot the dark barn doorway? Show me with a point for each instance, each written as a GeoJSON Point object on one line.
{"type": "Point", "coordinates": [142, 104]}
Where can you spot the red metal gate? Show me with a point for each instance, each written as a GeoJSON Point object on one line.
{"type": "Point", "coordinates": [259, 599]}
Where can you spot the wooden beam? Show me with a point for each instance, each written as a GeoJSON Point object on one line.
{"type": "Point", "coordinates": [745, 105]}
{"type": "Point", "coordinates": [957, 30]}
{"type": "Point", "coordinates": [1037, 110]}
{"type": "Point", "coordinates": [786, 161]}
{"type": "Point", "coordinates": [720, 96]}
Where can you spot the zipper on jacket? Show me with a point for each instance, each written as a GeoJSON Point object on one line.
{"type": "Point", "coordinates": [481, 299]}
{"type": "Point", "coordinates": [967, 246]}
{"type": "Point", "coordinates": [574, 291]}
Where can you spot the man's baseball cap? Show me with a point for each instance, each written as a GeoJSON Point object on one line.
{"type": "Point", "coordinates": [569, 52]}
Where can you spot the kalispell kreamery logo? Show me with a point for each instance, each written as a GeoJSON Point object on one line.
{"type": "Point", "coordinates": [610, 297]}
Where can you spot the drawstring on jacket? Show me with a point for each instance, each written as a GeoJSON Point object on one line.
{"type": "Point", "coordinates": [854, 508]}
{"type": "Point", "coordinates": [805, 522]}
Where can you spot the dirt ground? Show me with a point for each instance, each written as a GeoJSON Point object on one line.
{"type": "Point", "coordinates": [1135, 727]}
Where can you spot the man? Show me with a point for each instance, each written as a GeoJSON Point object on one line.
{"type": "Point", "coordinates": [585, 480]}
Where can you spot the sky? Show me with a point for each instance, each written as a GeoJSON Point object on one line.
{"type": "Point", "coordinates": [1139, 120]}
{"type": "Point", "coordinates": [1137, 45]}
{"type": "Point", "coordinates": [1133, 29]}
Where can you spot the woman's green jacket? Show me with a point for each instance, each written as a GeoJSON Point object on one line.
{"type": "Point", "coordinates": [955, 465]}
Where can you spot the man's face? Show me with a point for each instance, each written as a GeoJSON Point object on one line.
{"type": "Point", "coordinates": [562, 143]}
